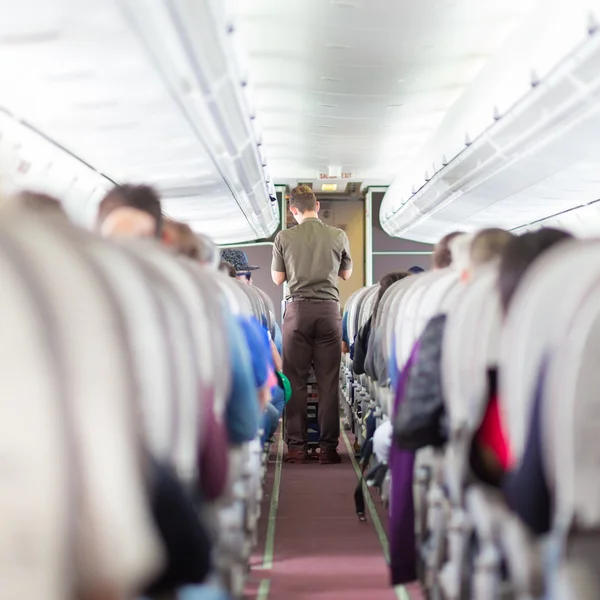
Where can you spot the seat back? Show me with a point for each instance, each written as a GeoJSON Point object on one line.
{"type": "Point", "coordinates": [102, 402]}
{"type": "Point", "coordinates": [470, 347]}
{"type": "Point", "coordinates": [193, 361]}
{"type": "Point", "coordinates": [39, 483]}
{"type": "Point", "coordinates": [406, 317]}
{"type": "Point", "coordinates": [570, 407]}
{"type": "Point", "coordinates": [354, 313]}
{"type": "Point", "coordinates": [529, 332]}
{"type": "Point", "coordinates": [366, 309]}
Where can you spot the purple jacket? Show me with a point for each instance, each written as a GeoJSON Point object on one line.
{"type": "Point", "coordinates": [403, 554]}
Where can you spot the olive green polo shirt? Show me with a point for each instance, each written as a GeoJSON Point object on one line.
{"type": "Point", "coordinates": [311, 255]}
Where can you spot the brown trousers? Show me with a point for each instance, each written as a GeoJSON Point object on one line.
{"type": "Point", "coordinates": [312, 333]}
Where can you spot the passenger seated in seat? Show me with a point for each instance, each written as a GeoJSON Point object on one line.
{"type": "Point", "coordinates": [416, 270]}
{"type": "Point", "coordinates": [441, 255]}
{"type": "Point", "coordinates": [227, 268]}
{"type": "Point", "coordinates": [362, 339]}
{"type": "Point", "coordinates": [181, 239]}
{"type": "Point", "coordinates": [128, 222]}
{"type": "Point", "coordinates": [239, 260]}
{"type": "Point", "coordinates": [441, 258]}
{"type": "Point", "coordinates": [141, 197]}
{"type": "Point", "coordinates": [421, 419]}
{"type": "Point", "coordinates": [526, 488]}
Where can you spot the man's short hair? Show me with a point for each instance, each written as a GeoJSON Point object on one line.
{"type": "Point", "coordinates": [442, 257]}
{"type": "Point", "coordinates": [304, 199]}
{"type": "Point", "coordinates": [228, 269]}
{"type": "Point", "coordinates": [518, 256]}
{"type": "Point", "coordinates": [487, 245]}
{"type": "Point", "coordinates": [183, 239]}
{"type": "Point", "coordinates": [142, 197]}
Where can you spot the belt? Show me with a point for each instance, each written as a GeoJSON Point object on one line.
{"type": "Point", "coordinates": [300, 299]}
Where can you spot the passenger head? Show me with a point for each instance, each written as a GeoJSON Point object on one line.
{"type": "Point", "coordinates": [416, 270]}
{"type": "Point", "coordinates": [487, 246]}
{"type": "Point", "coordinates": [386, 282]}
{"type": "Point", "coordinates": [128, 222]}
{"type": "Point", "coordinates": [239, 260]}
{"type": "Point", "coordinates": [441, 252]}
{"type": "Point", "coordinates": [140, 197]}
{"type": "Point", "coordinates": [181, 239]}
{"type": "Point", "coordinates": [227, 268]}
{"type": "Point", "coordinates": [303, 203]}
{"type": "Point", "coordinates": [519, 254]}
{"type": "Point", "coordinates": [40, 203]}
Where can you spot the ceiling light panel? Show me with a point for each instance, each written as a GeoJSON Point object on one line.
{"type": "Point", "coordinates": [353, 60]}
{"type": "Point", "coordinates": [109, 101]}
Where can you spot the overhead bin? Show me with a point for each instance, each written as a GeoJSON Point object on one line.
{"type": "Point", "coordinates": [142, 92]}
{"type": "Point", "coordinates": [537, 158]}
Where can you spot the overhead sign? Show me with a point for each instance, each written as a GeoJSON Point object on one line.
{"type": "Point", "coordinates": [324, 175]}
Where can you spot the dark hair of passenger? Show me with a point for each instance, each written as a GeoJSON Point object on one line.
{"type": "Point", "coordinates": [228, 269]}
{"type": "Point", "coordinates": [384, 284]}
{"type": "Point", "coordinates": [304, 199]}
{"type": "Point", "coordinates": [442, 257]}
{"type": "Point", "coordinates": [40, 202]}
{"type": "Point", "coordinates": [182, 239]}
{"type": "Point", "coordinates": [519, 254]}
{"type": "Point", "coordinates": [142, 197]}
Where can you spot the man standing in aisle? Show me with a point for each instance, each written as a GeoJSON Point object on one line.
{"type": "Point", "coordinates": [311, 257]}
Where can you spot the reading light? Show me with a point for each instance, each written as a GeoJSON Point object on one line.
{"type": "Point", "coordinates": [329, 187]}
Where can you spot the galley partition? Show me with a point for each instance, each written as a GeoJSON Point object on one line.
{"type": "Point", "coordinates": [384, 253]}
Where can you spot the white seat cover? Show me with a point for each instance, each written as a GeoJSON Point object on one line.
{"type": "Point", "coordinates": [470, 347]}
{"type": "Point", "coordinates": [390, 316]}
{"type": "Point", "coordinates": [36, 485]}
{"type": "Point", "coordinates": [531, 326]}
{"type": "Point", "coordinates": [187, 323]}
{"type": "Point", "coordinates": [570, 416]}
{"type": "Point", "coordinates": [216, 304]}
{"type": "Point", "coordinates": [433, 299]}
{"type": "Point", "coordinates": [147, 334]}
{"type": "Point", "coordinates": [116, 540]}
{"type": "Point", "coordinates": [404, 329]}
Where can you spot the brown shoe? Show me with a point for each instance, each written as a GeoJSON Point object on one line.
{"type": "Point", "coordinates": [296, 456]}
{"type": "Point", "coordinates": [329, 457]}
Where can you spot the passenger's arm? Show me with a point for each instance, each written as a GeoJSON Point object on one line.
{"type": "Point", "coordinates": [278, 273]}
{"type": "Point", "coordinates": [345, 271]}
{"type": "Point", "coordinates": [278, 277]}
{"type": "Point", "coordinates": [276, 357]}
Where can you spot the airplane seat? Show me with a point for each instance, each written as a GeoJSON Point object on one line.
{"type": "Point", "coordinates": [469, 348]}
{"type": "Point", "coordinates": [569, 448]}
{"type": "Point", "coordinates": [201, 315]}
{"type": "Point", "coordinates": [193, 360]}
{"type": "Point", "coordinates": [382, 350]}
{"type": "Point", "coordinates": [534, 338]}
{"type": "Point", "coordinates": [532, 324]}
{"type": "Point", "coordinates": [350, 385]}
{"type": "Point", "coordinates": [420, 303]}
{"type": "Point", "coordinates": [100, 396]}
{"type": "Point", "coordinates": [148, 332]}
{"type": "Point", "coordinates": [364, 400]}
{"type": "Point", "coordinates": [38, 496]}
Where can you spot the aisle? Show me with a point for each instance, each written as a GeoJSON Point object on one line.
{"type": "Point", "coordinates": [311, 544]}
